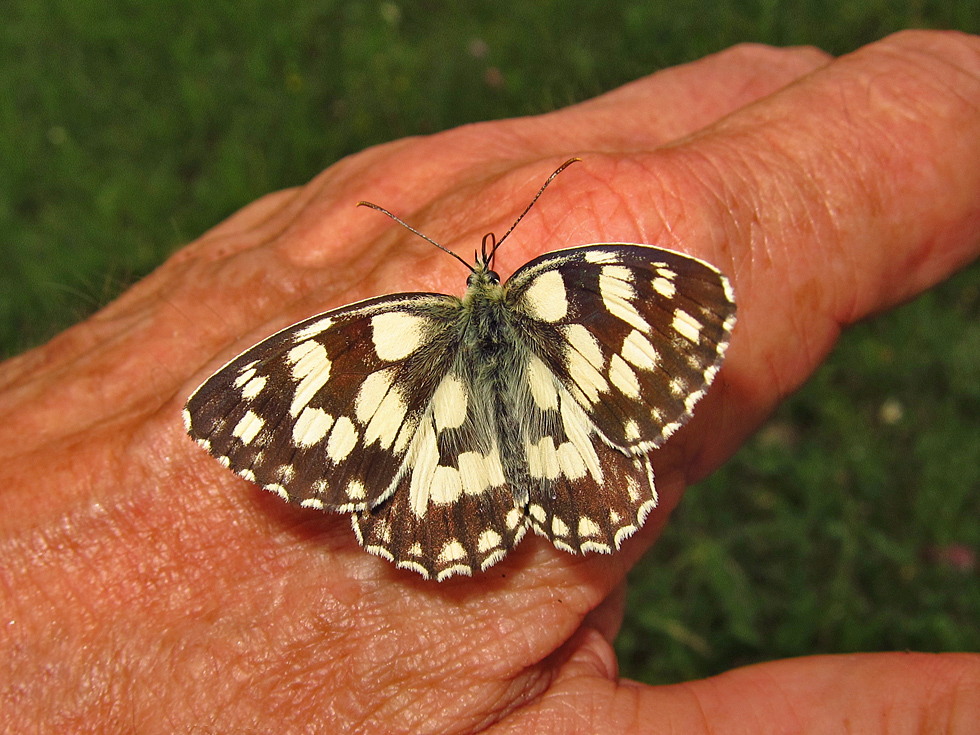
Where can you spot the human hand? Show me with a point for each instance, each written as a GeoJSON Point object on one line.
{"type": "Point", "coordinates": [145, 587]}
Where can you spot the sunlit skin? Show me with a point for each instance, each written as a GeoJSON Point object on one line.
{"type": "Point", "coordinates": [145, 588]}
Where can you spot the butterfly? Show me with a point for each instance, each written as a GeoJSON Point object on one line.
{"type": "Point", "coordinates": [447, 427]}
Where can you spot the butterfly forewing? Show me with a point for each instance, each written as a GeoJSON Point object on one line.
{"type": "Point", "coordinates": [323, 412]}
{"type": "Point", "coordinates": [634, 333]}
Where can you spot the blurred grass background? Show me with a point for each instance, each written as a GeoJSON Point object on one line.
{"type": "Point", "coordinates": [849, 523]}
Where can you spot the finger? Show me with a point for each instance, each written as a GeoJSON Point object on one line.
{"type": "Point", "coordinates": [840, 196]}
{"type": "Point", "coordinates": [869, 693]}
{"type": "Point", "coordinates": [674, 102]}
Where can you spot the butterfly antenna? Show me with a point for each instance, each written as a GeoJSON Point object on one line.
{"type": "Point", "coordinates": [544, 186]}
{"type": "Point", "coordinates": [412, 229]}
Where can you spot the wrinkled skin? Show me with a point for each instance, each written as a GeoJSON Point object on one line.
{"type": "Point", "coordinates": [144, 588]}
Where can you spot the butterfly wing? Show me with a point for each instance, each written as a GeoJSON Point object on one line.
{"type": "Point", "coordinates": [464, 536]}
{"type": "Point", "coordinates": [323, 412]}
{"type": "Point", "coordinates": [629, 338]}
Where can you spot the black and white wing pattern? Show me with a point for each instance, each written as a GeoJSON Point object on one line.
{"type": "Point", "coordinates": [447, 427]}
{"type": "Point", "coordinates": [323, 413]}
{"type": "Point", "coordinates": [627, 338]}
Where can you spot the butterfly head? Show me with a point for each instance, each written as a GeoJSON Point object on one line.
{"type": "Point", "coordinates": [483, 274]}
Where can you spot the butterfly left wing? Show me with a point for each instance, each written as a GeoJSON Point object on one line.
{"type": "Point", "coordinates": [322, 413]}
{"type": "Point", "coordinates": [629, 337]}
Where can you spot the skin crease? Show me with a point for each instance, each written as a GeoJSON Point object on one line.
{"type": "Point", "coordinates": [144, 588]}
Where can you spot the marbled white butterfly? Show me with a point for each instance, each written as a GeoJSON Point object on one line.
{"type": "Point", "coordinates": [447, 427]}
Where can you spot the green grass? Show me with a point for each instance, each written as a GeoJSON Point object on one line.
{"type": "Point", "coordinates": [127, 130]}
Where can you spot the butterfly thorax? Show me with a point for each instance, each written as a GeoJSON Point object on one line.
{"type": "Point", "coordinates": [490, 338]}
{"type": "Point", "coordinates": [493, 352]}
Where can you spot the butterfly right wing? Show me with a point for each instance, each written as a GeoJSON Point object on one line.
{"type": "Point", "coordinates": [640, 336]}
{"type": "Point", "coordinates": [323, 412]}
{"type": "Point", "coordinates": [627, 339]}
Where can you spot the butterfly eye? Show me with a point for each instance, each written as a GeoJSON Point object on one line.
{"type": "Point", "coordinates": [487, 278]}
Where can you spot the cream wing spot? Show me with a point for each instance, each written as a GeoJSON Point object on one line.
{"type": "Point", "coordinates": [388, 420]}
{"type": "Point", "coordinates": [299, 353]}
{"type": "Point", "coordinates": [372, 392]}
{"type": "Point", "coordinates": [253, 387]}
{"type": "Point", "coordinates": [542, 383]}
{"type": "Point", "coordinates": [687, 326]}
{"type": "Point", "coordinates": [546, 298]}
{"type": "Point", "coordinates": [542, 458]}
{"type": "Point", "coordinates": [246, 374]}
{"type": "Point", "coordinates": [479, 472]}
{"type": "Point", "coordinates": [585, 361]}
{"type": "Point", "coordinates": [570, 461]}
{"type": "Point", "coordinates": [664, 287]}
{"type": "Point", "coordinates": [452, 551]}
{"type": "Point", "coordinates": [278, 490]}
{"type": "Point", "coordinates": [622, 376]}
{"type": "Point", "coordinates": [601, 257]}
{"type": "Point", "coordinates": [356, 490]}
{"type": "Point", "coordinates": [447, 486]}
{"type": "Point", "coordinates": [312, 330]}
{"type": "Point", "coordinates": [578, 429]}
{"type": "Point", "coordinates": [311, 367]}
{"type": "Point", "coordinates": [397, 334]}
{"type": "Point", "coordinates": [617, 294]}
{"type": "Point", "coordinates": [730, 296]}
{"type": "Point", "coordinates": [449, 403]}
{"type": "Point", "coordinates": [311, 426]}
{"type": "Point", "coordinates": [638, 351]}
{"type": "Point", "coordinates": [248, 427]}
{"type": "Point", "coordinates": [588, 527]}
{"type": "Point", "coordinates": [423, 457]}
{"type": "Point", "coordinates": [488, 541]}
{"type": "Point", "coordinates": [342, 440]}
{"type": "Point", "coordinates": [405, 434]}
